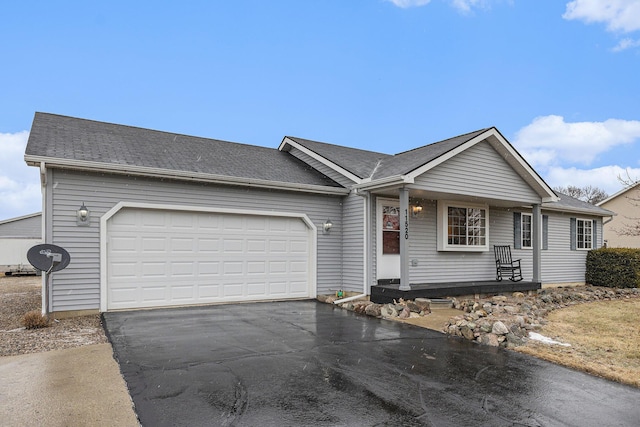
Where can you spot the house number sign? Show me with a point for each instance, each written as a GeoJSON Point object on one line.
{"type": "Point", "coordinates": [406, 224]}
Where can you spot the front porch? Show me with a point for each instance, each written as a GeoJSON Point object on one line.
{"type": "Point", "coordinates": [388, 290]}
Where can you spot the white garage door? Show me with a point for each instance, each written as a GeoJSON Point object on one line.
{"type": "Point", "coordinates": [163, 258]}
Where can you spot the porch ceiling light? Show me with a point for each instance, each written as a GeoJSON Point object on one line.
{"type": "Point", "coordinates": [416, 209]}
{"type": "Point", "coordinates": [327, 226]}
{"type": "Point", "coordinates": [83, 215]}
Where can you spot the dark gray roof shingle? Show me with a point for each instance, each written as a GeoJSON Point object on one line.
{"type": "Point", "coordinates": [408, 161]}
{"type": "Point", "coordinates": [571, 204]}
{"type": "Point", "coordinates": [369, 164]}
{"type": "Point", "coordinates": [62, 137]}
{"type": "Point", "coordinates": [361, 163]}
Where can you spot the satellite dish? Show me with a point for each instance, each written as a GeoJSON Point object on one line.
{"type": "Point", "coordinates": [48, 258]}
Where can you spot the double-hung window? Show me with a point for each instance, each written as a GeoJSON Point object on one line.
{"type": "Point", "coordinates": [584, 234]}
{"type": "Point", "coordinates": [526, 236]}
{"type": "Point", "coordinates": [464, 227]}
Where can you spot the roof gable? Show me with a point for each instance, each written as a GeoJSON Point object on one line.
{"type": "Point", "coordinates": [619, 193]}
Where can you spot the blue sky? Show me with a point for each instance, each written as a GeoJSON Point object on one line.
{"type": "Point", "coordinates": [559, 79]}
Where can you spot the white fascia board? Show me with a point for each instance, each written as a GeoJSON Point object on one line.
{"type": "Point", "coordinates": [328, 163]}
{"type": "Point", "coordinates": [183, 175]}
{"type": "Point", "coordinates": [619, 193]}
{"type": "Point", "coordinates": [18, 218]}
{"type": "Point", "coordinates": [385, 182]}
{"type": "Point", "coordinates": [546, 207]}
{"type": "Point", "coordinates": [446, 156]}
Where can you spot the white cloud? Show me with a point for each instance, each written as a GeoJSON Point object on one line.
{"type": "Point", "coordinates": [605, 177]}
{"type": "Point", "coordinates": [467, 5]}
{"type": "Point", "coordinates": [462, 5]}
{"type": "Point", "coordinates": [550, 141]}
{"type": "Point", "coordinates": [19, 183]}
{"type": "Point", "coordinates": [618, 15]}
{"type": "Point", "coordinates": [626, 44]}
{"type": "Point", "coordinates": [409, 3]}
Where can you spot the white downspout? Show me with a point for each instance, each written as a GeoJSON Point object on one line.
{"type": "Point", "coordinates": [43, 190]}
{"type": "Point", "coordinates": [366, 249]}
{"type": "Point", "coordinates": [340, 301]}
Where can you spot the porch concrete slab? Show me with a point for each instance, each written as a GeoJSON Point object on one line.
{"type": "Point", "coordinates": [74, 387]}
{"type": "Point", "coordinates": [306, 363]}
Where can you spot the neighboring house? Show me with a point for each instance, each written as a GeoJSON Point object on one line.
{"type": "Point", "coordinates": [175, 219]}
{"type": "Point", "coordinates": [626, 204]}
{"type": "Point", "coordinates": [17, 235]}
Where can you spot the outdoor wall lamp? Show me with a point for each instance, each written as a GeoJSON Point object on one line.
{"type": "Point", "coordinates": [327, 226]}
{"type": "Point", "coordinates": [83, 215]}
{"type": "Point", "coordinates": [416, 209]}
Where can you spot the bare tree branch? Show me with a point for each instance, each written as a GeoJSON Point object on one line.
{"type": "Point", "coordinates": [587, 194]}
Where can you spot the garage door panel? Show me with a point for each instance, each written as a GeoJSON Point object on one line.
{"type": "Point", "coordinates": [231, 290]}
{"type": "Point", "coordinates": [163, 258]}
{"type": "Point", "coordinates": [124, 244]}
{"type": "Point", "coordinates": [182, 293]}
{"type": "Point", "coordinates": [208, 293]}
{"type": "Point", "coordinates": [151, 219]}
{"type": "Point", "coordinates": [153, 269]}
{"type": "Point", "coordinates": [210, 268]}
{"type": "Point", "coordinates": [277, 246]}
{"type": "Point", "coordinates": [205, 245]}
{"type": "Point", "coordinates": [256, 289]}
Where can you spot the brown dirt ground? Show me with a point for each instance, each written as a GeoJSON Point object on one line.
{"type": "Point", "coordinates": [19, 295]}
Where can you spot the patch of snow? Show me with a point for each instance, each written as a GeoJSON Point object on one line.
{"type": "Point", "coordinates": [546, 340]}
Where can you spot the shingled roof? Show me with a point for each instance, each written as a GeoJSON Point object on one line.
{"type": "Point", "coordinates": [370, 164]}
{"type": "Point", "coordinates": [571, 204]}
{"type": "Point", "coordinates": [81, 142]}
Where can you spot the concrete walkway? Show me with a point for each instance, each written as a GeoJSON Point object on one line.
{"type": "Point", "coordinates": [75, 387]}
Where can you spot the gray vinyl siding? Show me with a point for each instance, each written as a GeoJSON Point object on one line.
{"type": "Point", "coordinates": [78, 286]}
{"type": "Point", "coordinates": [437, 267]}
{"type": "Point", "coordinates": [480, 172]}
{"type": "Point", "coordinates": [559, 263]}
{"type": "Point", "coordinates": [353, 246]}
{"type": "Point", "coordinates": [27, 228]}
{"type": "Point", "coordinates": [321, 167]}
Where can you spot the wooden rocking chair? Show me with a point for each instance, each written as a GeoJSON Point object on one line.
{"type": "Point", "coordinates": [505, 266]}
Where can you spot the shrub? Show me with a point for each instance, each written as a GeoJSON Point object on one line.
{"type": "Point", "coordinates": [34, 320]}
{"type": "Point", "coordinates": [613, 267]}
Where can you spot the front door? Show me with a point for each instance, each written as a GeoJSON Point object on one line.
{"type": "Point", "coordinates": [388, 238]}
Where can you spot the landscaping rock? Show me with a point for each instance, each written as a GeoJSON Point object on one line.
{"type": "Point", "coordinates": [499, 328]}
{"type": "Point", "coordinates": [505, 320]}
{"type": "Point", "coordinates": [388, 310]}
{"type": "Point", "coordinates": [424, 304]}
{"type": "Point", "coordinates": [373, 310]}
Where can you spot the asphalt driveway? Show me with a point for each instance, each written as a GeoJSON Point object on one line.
{"type": "Point", "coordinates": [307, 363]}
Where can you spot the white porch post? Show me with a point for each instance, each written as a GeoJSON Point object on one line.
{"type": "Point", "coordinates": [404, 240]}
{"type": "Point", "coordinates": [537, 243]}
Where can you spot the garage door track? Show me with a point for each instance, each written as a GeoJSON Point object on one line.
{"type": "Point", "coordinates": [305, 363]}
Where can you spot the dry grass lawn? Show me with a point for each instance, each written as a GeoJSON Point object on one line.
{"type": "Point", "coordinates": [604, 338]}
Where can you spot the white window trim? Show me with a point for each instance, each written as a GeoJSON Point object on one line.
{"type": "Point", "coordinates": [522, 246]}
{"type": "Point", "coordinates": [592, 226]}
{"type": "Point", "coordinates": [443, 235]}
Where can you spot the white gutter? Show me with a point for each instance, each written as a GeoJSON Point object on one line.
{"type": "Point", "coordinates": [385, 182]}
{"type": "Point", "coordinates": [182, 175]}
